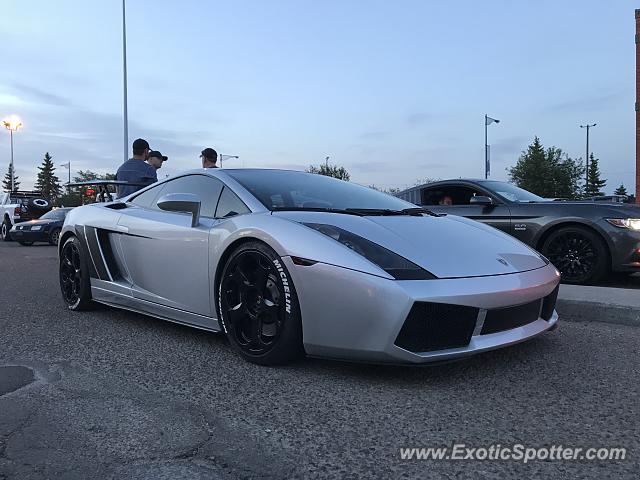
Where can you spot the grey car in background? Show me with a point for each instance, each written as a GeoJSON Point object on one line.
{"type": "Point", "coordinates": [585, 240]}
{"type": "Point", "coordinates": [287, 263]}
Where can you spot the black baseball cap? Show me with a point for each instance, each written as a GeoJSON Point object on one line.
{"type": "Point", "coordinates": [210, 153]}
{"type": "Point", "coordinates": [157, 154]}
{"type": "Point", "coordinates": [140, 144]}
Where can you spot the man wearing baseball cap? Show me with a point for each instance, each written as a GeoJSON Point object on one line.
{"type": "Point", "coordinates": [156, 159]}
{"type": "Point", "coordinates": [136, 170]}
{"type": "Point", "coordinates": [209, 158]}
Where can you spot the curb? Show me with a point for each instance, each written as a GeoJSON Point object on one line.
{"type": "Point", "coordinates": [581, 311]}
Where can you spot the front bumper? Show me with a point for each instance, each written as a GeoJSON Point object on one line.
{"type": "Point", "coordinates": [625, 249]}
{"type": "Point", "coordinates": [355, 316]}
{"type": "Point", "coordinates": [29, 236]}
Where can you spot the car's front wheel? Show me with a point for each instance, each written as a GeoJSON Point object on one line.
{"type": "Point", "coordinates": [74, 276]}
{"type": "Point", "coordinates": [258, 306]}
{"type": "Point", "coordinates": [4, 230]}
{"type": "Point", "coordinates": [54, 236]}
{"type": "Point", "coordinates": [580, 254]}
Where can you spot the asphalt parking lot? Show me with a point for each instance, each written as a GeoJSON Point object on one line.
{"type": "Point", "coordinates": [113, 394]}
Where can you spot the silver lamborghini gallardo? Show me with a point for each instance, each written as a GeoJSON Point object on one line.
{"type": "Point", "coordinates": [289, 263]}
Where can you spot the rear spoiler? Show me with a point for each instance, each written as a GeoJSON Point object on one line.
{"type": "Point", "coordinates": [104, 195]}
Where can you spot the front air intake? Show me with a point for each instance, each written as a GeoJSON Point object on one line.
{"type": "Point", "coordinates": [437, 326]}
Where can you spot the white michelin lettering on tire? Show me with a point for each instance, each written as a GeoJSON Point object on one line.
{"type": "Point", "coordinates": [285, 284]}
{"type": "Point", "coordinates": [222, 324]}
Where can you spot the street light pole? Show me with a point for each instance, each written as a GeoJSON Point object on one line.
{"type": "Point", "coordinates": [12, 124]}
{"type": "Point", "coordinates": [487, 121]}
{"type": "Point", "coordinates": [124, 73]}
{"type": "Point", "coordinates": [586, 180]}
{"type": "Point", "coordinates": [12, 172]}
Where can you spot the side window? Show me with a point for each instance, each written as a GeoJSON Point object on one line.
{"type": "Point", "coordinates": [449, 195]}
{"type": "Point", "coordinates": [230, 205]}
{"type": "Point", "coordinates": [147, 198]}
{"type": "Point", "coordinates": [207, 188]}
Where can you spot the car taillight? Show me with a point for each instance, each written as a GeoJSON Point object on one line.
{"type": "Point", "coordinates": [16, 211]}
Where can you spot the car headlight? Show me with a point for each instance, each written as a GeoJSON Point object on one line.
{"type": "Point", "coordinates": [630, 223]}
{"type": "Point", "coordinates": [36, 227]}
{"type": "Point", "coordinates": [398, 267]}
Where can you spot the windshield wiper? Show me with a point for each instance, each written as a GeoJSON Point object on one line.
{"type": "Point", "coordinates": [347, 211]}
{"type": "Point", "coordinates": [361, 212]}
{"type": "Point", "coordinates": [412, 211]}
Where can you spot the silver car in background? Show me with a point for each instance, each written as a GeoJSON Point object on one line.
{"type": "Point", "coordinates": [289, 263]}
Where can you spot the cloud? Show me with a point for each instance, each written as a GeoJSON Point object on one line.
{"type": "Point", "coordinates": [582, 104]}
{"type": "Point", "coordinates": [418, 118]}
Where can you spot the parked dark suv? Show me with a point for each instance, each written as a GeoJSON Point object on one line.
{"type": "Point", "coordinates": [585, 240]}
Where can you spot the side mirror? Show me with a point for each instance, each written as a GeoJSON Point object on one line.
{"type": "Point", "coordinates": [481, 200]}
{"type": "Point", "coordinates": [182, 202]}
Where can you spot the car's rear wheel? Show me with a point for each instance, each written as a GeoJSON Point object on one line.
{"type": "Point", "coordinates": [259, 307]}
{"type": "Point", "coordinates": [4, 230]}
{"type": "Point", "coordinates": [74, 276]}
{"type": "Point", "coordinates": [26, 244]}
{"type": "Point", "coordinates": [54, 236]}
{"type": "Point", "coordinates": [580, 254]}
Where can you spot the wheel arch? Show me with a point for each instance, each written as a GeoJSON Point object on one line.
{"type": "Point", "coordinates": [544, 234]}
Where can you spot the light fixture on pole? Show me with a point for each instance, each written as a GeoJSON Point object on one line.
{"type": "Point", "coordinates": [12, 124]}
{"type": "Point", "coordinates": [226, 157]}
{"type": "Point", "coordinates": [586, 180]}
{"type": "Point", "coordinates": [487, 166]}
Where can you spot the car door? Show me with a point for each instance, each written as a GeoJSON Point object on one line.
{"type": "Point", "coordinates": [167, 258]}
{"type": "Point", "coordinates": [455, 199]}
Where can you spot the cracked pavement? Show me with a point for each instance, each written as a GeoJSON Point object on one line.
{"type": "Point", "coordinates": [120, 395]}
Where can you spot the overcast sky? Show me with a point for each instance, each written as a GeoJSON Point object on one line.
{"type": "Point", "coordinates": [394, 91]}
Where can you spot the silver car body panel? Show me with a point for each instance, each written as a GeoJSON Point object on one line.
{"type": "Point", "coordinates": [153, 262]}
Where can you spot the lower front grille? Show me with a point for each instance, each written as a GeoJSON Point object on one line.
{"type": "Point", "coordinates": [507, 318]}
{"type": "Point", "coordinates": [549, 304]}
{"type": "Point", "coordinates": [437, 326]}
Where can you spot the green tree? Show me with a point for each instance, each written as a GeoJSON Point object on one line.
{"type": "Point", "coordinates": [621, 190]}
{"type": "Point", "coordinates": [6, 183]}
{"type": "Point", "coordinates": [48, 183]}
{"type": "Point", "coordinates": [594, 183]}
{"type": "Point", "coordinates": [330, 171]}
{"type": "Point", "coordinates": [88, 175]}
{"type": "Point", "coordinates": [549, 173]}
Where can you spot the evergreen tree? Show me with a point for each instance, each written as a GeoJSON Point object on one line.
{"type": "Point", "coordinates": [549, 173]}
{"type": "Point", "coordinates": [330, 171]}
{"type": "Point", "coordinates": [6, 183]}
{"type": "Point", "coordinates": [594, 183]}
{"type": "Point", "coordinates": [621, 190]}
{"type": "Point", "coordinates": [48, 183]}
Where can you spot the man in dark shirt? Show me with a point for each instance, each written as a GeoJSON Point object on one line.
{"type": "Point", "coordinates": [136, 170]}
{"type": "Point", "coordinates": [209, 157]}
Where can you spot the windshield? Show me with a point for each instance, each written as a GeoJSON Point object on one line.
{"type": "Point", "coordinates": [511, 192]}
{"type": "Point", "coordinates": [283, 189]}
{"type": "Point", "coordinates": [57, 214]}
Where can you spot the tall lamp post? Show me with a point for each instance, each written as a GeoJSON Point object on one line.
{"type": "Point", "coordinates": [12, 124]}
{"type": "Point", "coordinates": [487, 167]}
{"type": "Point", "coordinates": [226, 157]}
{"type": "Point", "coordinates": [124, 74]}
{"type": "Point", "coordinates": [586, 180]}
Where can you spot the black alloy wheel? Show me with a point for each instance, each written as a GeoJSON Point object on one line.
{"type": "Point", "coordinates": [258, 306]}
{"type": "Point", "coordinates": [74, 278]}
{"type": "Point", "coordinates": [579, 254]}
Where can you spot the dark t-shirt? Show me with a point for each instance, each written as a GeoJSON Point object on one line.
{"type": "Point", "coordinates": [135, 171]}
